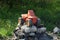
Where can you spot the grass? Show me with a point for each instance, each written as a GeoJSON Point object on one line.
{"type": "Point", "coordinates": [3, 31]}
{"type": "Point", "coordinates": [7, 26]}
{"type": "Point", "coordinates": [9, 17]}
{"type": "Point", "coordinates": [8, 20]}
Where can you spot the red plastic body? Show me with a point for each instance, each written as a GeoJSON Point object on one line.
{"type": "Point", "coordinates": [30, 15]}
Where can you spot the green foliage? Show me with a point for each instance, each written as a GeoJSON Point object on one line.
{"type": "Point", "coordinates": [47, 10]}
{"type": "Point", "coordinates": [3, 32]}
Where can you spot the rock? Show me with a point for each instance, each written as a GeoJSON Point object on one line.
{"type": "Point", "coordinates": [56, 30]}
{"type": "Point", "coordinates": [45, 36]}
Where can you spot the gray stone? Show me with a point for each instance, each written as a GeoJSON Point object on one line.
{"type": "Point", "coordinates": [44, 36]}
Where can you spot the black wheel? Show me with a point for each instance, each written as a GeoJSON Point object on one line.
{"type": "Point", "coordinates": [21, 21]}
{"type": "Point", "coordinates": [38, 22]}
{"type": "Point", "coordinates": [29, 22]}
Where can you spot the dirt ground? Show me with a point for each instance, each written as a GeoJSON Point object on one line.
{"type": "Point", "coordinates": [55, 36]}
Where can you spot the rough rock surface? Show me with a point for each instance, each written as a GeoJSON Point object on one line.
{"type": "Point", "coordinates": [55, 36]}
{"type": "Point", "coordinates": [45, 36]}
{"type": "Point", "coordinates": [42, 37]}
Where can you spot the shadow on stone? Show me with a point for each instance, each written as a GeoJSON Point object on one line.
{"type": "Point", "coordinates": [45, 36]}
